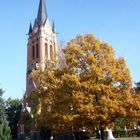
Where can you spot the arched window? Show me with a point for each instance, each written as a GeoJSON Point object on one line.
{"type": "Point", "coordinates": [46, 50]}
{"type": "Point", "coordinates": [33, 52]}
{"type": "Point", "coordinates": [22, 129]}
{"type": "Point", "coordinates": [51, 52]}
{"type": "Point", "coordinates": [37, 51]}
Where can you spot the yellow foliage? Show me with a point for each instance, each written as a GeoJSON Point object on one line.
{"type": "Point", "coordinates": [91, 87]}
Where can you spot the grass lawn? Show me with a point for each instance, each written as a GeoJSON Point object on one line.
{"type": "Point", "coordinates": [133, 138]}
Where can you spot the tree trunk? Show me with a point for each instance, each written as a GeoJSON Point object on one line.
{"type": "Point", "coordinates": [102, 133]}
{"type": "Point", "coordinates": [97, 134]}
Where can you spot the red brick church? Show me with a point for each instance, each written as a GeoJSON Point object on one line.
{"type": "Point", "coordinates": [41, 46]}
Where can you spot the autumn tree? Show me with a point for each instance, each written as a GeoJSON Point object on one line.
{"type": "Point", "coordinates": [89, 87]}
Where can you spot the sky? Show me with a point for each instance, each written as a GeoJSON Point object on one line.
{"type": "Point", "coordinates": [116, 22]}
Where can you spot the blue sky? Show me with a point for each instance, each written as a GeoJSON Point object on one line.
{"type": "Point", "coordinates": [116, 22]}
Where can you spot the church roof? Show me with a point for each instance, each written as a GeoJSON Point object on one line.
{"type": "Point", "coordinates": [42, 13]}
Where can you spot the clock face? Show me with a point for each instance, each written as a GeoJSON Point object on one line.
{"type": "Point", "coordinates": [35, 29]}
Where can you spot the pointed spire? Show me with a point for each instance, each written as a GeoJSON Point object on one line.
{"type": "Point", "coordinates": [30, 28]}
{"type": "Point", "coordinates": [53, 27]}
{"type": "Point", "coordinates": [42, 13]}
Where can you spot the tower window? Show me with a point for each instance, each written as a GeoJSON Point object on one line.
{"type": "Point", "coordinates": [33, 52]}
{"type": "Point", "coordinates": [51, 52]}
{"type": "Point", "coordinates": [37, 51]}
{"type": "Point", "coordinates": [54, 50]}
{"type": "Point", "coordinates": [46, 50]}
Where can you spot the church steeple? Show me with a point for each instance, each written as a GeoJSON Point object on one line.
{"type": "Point", "coordinates": [42, 44]}
{"type": "Point", "coordinates": [30, 29]}
{"type": "Point", "coordinates": [42, 13]}
{"type": "Point", "coordinates": [41, 48]}
{"type": "Point", "coordinates": [53, 27]}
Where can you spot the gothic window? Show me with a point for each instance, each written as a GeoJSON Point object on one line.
{"type": "Point", "coordinates": [54, 49]}
{"type": "Point", "coordinates": [46, 50]}
{"type": "Point", "coordinates": [51, 52]}
{"type": "Point", "coordinates": [22, 129]}
{"type": "Point", "coordinates": [37, 51]}
{"type": "Point", "coordinates": [33, 52]}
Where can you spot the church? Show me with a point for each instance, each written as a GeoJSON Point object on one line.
{"type": "Point", "coordinates": [42, 44]}
{"type": "Point", "coordinates": [41, 47]}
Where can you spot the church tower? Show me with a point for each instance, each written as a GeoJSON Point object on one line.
{"type": "Point", "coordinates": [42, 44]}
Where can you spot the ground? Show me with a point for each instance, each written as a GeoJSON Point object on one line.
{"type": "Point", "coordinates": [133, 138]}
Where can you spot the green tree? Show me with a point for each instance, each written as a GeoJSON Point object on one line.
{"type": "Point", "coordinates": [5, 132]}
{"type": "Point", "coordinates": [1, 103]}
{"type": "Point", "coordinates": [88, 88]}
{"type": "Point", "coordinates": [137, 87]}
{"type": "Point", "coordinates": [13, 110]}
